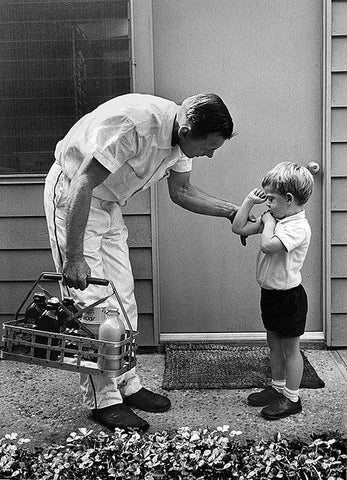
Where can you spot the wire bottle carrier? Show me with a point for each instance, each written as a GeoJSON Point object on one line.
{"type": "Point", "coordinates": [82, 354]}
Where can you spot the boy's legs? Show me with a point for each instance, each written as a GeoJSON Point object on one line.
{"type": "Point", "coordinates": [294, 364]}
{"type": "Point", "coordinates": [290, 402]}
{"type": "Point", "coordinates": [277, 357]}
{"type": "Point", "coordinates": [277, 362]}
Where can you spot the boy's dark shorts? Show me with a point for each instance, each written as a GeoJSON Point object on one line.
{"type": "Point", "coordinates": [284, 311]}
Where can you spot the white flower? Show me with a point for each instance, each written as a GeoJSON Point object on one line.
{"type": "Point", "coordinates": [85, 432]}
{"type": "Point", "coordinates": [23, 440]}
{"type": "Point", "coordinates": [194, 436]}
{"type": "Point", "coordinates": [224, 428]}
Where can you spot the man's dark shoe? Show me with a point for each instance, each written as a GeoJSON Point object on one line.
{"type": "Point", "coordinates": [119, 416]}
{"type": "Point", "coordinates": [282, 407]}
{"type": "Point", "coordinates": [148, 401]}
{"type": "Point", "coordinates": [263, 398]}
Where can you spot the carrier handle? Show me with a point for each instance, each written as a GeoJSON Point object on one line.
{"type": "Point", "coordinates": [96, 281]}
{"type": "Point", "coordinates": [90, 280]}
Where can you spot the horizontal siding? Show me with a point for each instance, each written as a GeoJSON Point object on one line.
{"type": "Point", "coordinates": [140, 204]}
{"type": "Point", "coordinates": [24, 265]}
{"type": "Point", "coordinates": [338, 159]}
{"type": "Point", "coordinates": [146, 330]}
{"type": "Point", "coordinates": [339, 261]}
{"type": "Point", "coordinates": [339, 89]}
{"type": "Point", "coordinates": [339, 18]}
{"type": "Point", "coordinates": [23, 200]}
{"type": "Point", "coordinates": [339, 329]}
{"type": "Point", "coordinates": [31, 232]}
{"type": "Point", "coordinates": [338, 227]}
{"type": "Point", "coordinates": [338, 295]}
{"type": "Point", "coordinates": [339, 124]}
{"type": "Point", "coordinates": [20, 200]}
{"type": "Point", "coordinates": [339, 53]}
{"type": "Point", "coordinates": [338, 194]}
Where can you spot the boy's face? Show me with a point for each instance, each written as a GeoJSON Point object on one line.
{"type": "Point", "coordinates": [279, 205]}
{"type": "Point", "coordinates": [200, 147]}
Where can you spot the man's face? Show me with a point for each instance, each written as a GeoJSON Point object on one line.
{"type": "Point", "coordinates": [200, 147]}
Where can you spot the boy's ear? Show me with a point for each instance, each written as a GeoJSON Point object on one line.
{"type": "Point", "coordinates": [289, 197]}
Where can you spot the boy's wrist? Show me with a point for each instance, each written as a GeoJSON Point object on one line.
{"type": "Point", "coordinates": [249, 202]}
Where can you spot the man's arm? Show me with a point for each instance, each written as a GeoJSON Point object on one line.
{"type": "Point", "coordinates": [90, 174]}
{"type": "Point", "coordinates": [183, 193]}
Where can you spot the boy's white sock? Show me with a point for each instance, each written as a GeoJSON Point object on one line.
{"type": "Point", "coordinates": [292, 395]}
{"type": "Point", "coordinates": [278, 385]}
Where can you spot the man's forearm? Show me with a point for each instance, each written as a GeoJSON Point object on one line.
{"type": "Point", "coordinates": [77, 216]}
{"type": "Point", "coordinates": [197, 201]}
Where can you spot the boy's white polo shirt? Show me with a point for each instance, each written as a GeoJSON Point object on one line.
{"type": "Point", "coordinates": [281, 271]}
{"type": "Point", "coordinates": [130, 136]}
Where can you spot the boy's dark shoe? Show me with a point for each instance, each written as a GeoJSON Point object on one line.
{"type": "Point", "coordinates": [119, 416]}
{"type": "Point", "coordinates": [282, 407]}
{"type": "Point", "coordinates": [148, 401]}
{"type": "Point", "coordinates": [263, 398]}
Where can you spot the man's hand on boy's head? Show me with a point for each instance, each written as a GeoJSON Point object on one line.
{"type": "Point", "coordinates": [257, 195]}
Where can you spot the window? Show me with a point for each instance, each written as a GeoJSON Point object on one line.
{"type": "Point", "coordinates": [58, 60]}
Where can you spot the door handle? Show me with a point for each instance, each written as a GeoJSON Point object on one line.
{"type": "Point", "coordinates": [313, 167]}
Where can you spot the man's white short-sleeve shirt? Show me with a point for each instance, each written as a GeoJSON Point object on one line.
{"type": "Point", "coordinates": [130, 136]}
{"type": "Point", "coordinates": [281, 271]}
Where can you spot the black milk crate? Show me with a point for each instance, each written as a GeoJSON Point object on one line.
{"type": "Point", "coordinates": [82, 354]}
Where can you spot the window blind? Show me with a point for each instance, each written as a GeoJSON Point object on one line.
{"type": "Point", "coordinates": [58, 61]}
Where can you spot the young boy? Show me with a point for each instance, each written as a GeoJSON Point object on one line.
{"type": "Point", "coordinates": [285, 238]}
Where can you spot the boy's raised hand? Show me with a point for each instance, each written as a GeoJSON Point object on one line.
{"type": "Point", "coordinates": [257, 195]}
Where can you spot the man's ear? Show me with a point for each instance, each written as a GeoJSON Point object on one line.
{"type": "Point", "coordinates": [184, 131]}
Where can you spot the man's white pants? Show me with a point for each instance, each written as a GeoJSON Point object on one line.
{"type": "Point", "coordinates": [106, 252]}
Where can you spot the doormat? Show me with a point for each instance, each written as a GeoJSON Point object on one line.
{"type": "Point", "coordinates": [207, 366]}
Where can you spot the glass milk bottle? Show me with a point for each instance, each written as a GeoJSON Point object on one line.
{"type": "Point", "coordinates": [35, 309]}
{"type": "Point", "coordinates": [112, 329]}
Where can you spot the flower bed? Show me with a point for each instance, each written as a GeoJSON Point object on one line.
{"type": "Point", "coordinates": [187, 454]}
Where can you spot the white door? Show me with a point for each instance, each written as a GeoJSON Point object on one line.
{"type": "Point", "coordinates": [264, 59]}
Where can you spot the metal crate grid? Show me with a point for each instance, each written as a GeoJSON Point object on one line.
{"type": "Point", "coordinates": [28, 345]}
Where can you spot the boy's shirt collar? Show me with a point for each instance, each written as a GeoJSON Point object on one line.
{"type": "Point", "coordinates": [299, 215]}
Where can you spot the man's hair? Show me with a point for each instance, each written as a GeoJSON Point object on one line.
{"type": "Point", "coordinates": [206, 113]}
{"type": "Point", "coordinates": [289, 177]}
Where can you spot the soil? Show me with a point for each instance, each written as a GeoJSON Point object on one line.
{"type": "Point", "coordinates": [45, 404]}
